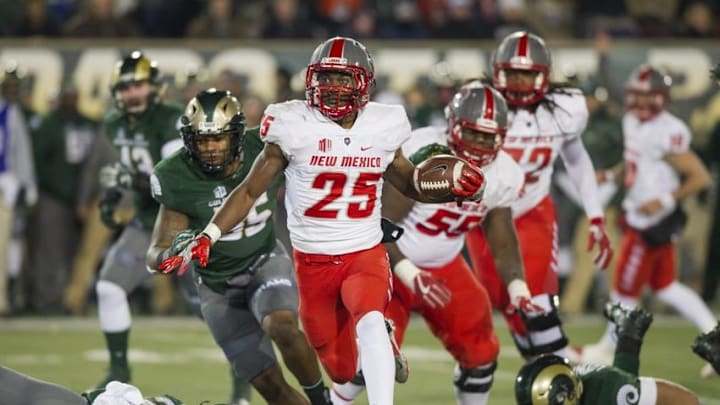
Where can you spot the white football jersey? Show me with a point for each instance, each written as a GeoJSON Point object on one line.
{"type": "Point", "coordinates": [647, 175]}
{"type": "Point", "coordinates": [534, 140]}
{"type": "Point", "coordinates": [435, 233]}
{"type": "Point", "coordinates": [333, 181]}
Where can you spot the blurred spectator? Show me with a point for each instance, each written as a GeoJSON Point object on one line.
{"type": "Point", "coordinates": [698, 21]}
{"type": "Point", "coordinates": [459, 20]}
{"type": "Point", "coordinates": [15, 88]}
{"type": "Point", "coordinates": [96, 19]}
{"type": "Point", "coordinates": [283, 86]}
{"type": "Point", "coordinates": [37, 21]}
{"type": "Point", "coordinates": [334, 15]}
{"type": "Point", "coordinates": [17, 188]}
{"type": "Point", "coordinates": [253, 107]}
{"type": "Point", "coordinates": [654, 18]}
{"type": "Point", "coordinates": [221, 20]}
{"type": "Point", "coordinates": [402, 20]}
{"type": "Point", "coordinates": [162, 18]}
{"type": "Point", "coordinates": [512, 17]}
{"type": "Point", "coordinates": [284, 21]}
{"type": "Point", "coordinates": [61, 143]}
{"type": "Point", "coordinates": [608, 16]}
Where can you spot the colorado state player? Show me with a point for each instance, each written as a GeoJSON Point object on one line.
{"type": "Point", "coordinates": [544, 123]}
{"type": "Point", "coordinates": [443, 289]}
{"type": "Point", "coordinates": [335, 149]}
{"type": "Point", "coordinates": [247, 292]}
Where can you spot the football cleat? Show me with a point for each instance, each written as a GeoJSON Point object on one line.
{"type": "Point", "coordinates": [707, 346]}
{"type": "Point", "coordinates": [630, 322]}
{"type": "Point", "coordinates": [121, 374]}
{"type": "Point", "coordinates": [402, 369]}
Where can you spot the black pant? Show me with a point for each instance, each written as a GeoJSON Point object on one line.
{"type": "Point", "coordinates": [711, 278]}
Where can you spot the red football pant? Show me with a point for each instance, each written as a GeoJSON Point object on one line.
{"type": "Point", "coordinates": [335, 292]}
{"type": "Point", "coordinates": [641, 265]}
{"type": "Point", "coordinates": [464, 326]}
{"type": "Point", "coordinates": [537, 236]}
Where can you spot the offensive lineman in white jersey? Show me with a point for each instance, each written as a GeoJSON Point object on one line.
{"type": "Point", "coordinates": [335, 149]}
{"type": "Point", "coordinates": [544, 124]}
{"type": "Point", "coordinates": [437, 282]}
{"type": "Point", "coordinates": [660, 170]}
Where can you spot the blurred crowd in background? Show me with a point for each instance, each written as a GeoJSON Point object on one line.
{"type": "Point", "coordinates": [62, 138]}
{"type": "Point", "coordinates": [387, 19]}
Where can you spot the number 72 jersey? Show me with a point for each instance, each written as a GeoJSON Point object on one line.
{"type": "Point", "coordinates": [534, 140]}
{"type": "Point", "coordinates": [333, 180]}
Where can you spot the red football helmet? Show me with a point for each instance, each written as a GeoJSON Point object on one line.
{"type": "Point", "coordinates": [522, 51]}
{"type": "Point", "coordinates": [339, 55]}
{"type": "Point", "coordinates": [477, 118]}
{"type": "Point", "coordinates": [647, 91]}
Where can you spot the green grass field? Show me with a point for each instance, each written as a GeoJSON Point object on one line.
{"type": "Point", "coordinates": [177, 356]}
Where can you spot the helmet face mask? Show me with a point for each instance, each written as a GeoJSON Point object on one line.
{"type": "Point", "coordinates": [135, 83]}
{"type": "Point", "coordinates": [548, 380]}
{"type": "Point", "coordinates": [213, 130]}
{"type": "Point", "coordinates": [517, 53]}
{"type": "Point", "coordinates": [477, 118]}
{"type": "Point", "coordinates": [339, 77]}
{"type": "Point", "coordinates": [647, 92]}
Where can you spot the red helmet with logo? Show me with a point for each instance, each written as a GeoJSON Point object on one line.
{"type": "Point", "coordinates": [650, 82]}
{"type": "Point", "coordinates": [339, 55]}
{"type": "Point", "coordinates": [479, 108]}
{"type": "Point", "coordinates": [522, 51]}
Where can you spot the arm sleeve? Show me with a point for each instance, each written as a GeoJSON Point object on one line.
{"type": "Point", "coordinates": [581, 171]}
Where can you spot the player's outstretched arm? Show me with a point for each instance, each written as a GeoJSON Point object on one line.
{"type": "Point", "coordinates": [236, 207]}
{"type": "Point", "coordinates": [502, 240]}
{"type": "Point", "coordinates": [694, 174]}
{"type": "Point", "coordinates": [167, 224]}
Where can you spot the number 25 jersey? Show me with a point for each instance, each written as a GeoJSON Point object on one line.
{"type": "Point", "coordinates": [333, 180]}
{"type": "Point", "coordinates": [535, 137]}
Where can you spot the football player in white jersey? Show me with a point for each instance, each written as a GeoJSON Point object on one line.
{"type": "Point", "coordinates": [438, 282]}
{"type": "Point", "coordinates": [660, 170]}
{"type": "Point", "coordinates": [545, 123]}
{"type": "Point", "coordinates": [335, 149]}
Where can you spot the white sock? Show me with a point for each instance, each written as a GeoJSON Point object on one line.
{"type": "Point", "coordinates": [344, 394]}
{"type": "Point", "coordinates": [689, 305]}
{"type": "Point", "coordinates": [376, 358]}
{"type": "Point", "coordinates": [113, 308]}
{"type": "Point", "coordinates": [471, 398]}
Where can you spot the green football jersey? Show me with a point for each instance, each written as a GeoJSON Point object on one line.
{"type": "Point", "coordinates": [608, 385]}
{"type": "Point", "coordinates": [140, 146]}
{"type": "Point", "coordinates": [180, 185]}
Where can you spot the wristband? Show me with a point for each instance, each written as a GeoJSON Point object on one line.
{"type": "Point", "coordinates": [213, 232]}
{"type": "Point", "coordinates": [517, 288]}
{"type": "Point", "coordinates": [406, 271]}
{"type": "Point", "coordinates": [668, 201]}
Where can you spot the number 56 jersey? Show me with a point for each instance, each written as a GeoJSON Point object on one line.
{"type": "Point", "coordinates": [333, 180]}
{"type": "Point", "coordinates": [442, 226]}
{"type": "Point", "coordinates": [534, 140]}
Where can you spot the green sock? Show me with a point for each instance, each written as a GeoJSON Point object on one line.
{"type": "Point", "coordinates": [241, 387]}
{"type": "Point", "coordinates": [117, 344]}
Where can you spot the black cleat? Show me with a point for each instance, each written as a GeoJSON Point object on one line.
{"type": "Point", "coordinates": [707, 346]}
{"type": "Point", "coordinates": [121, 374]}
{"type": "Point", "coordinates": [630, 322]}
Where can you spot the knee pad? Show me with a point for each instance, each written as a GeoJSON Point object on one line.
{"type": "Point", "coordinates": [478, 379]}
{"type": "Point", "coordinates": [545, 334]}
{"type": "Point", "coordinates": [109, 292]}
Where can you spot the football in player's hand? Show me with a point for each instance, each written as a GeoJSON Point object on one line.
{"type": "Point", "coordinates": [435, 176]}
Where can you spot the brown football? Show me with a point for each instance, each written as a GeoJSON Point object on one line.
{"type": "Point", "coordinates": [434, 176]}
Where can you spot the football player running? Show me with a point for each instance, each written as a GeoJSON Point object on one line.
{"type": "Point", "coordinates": [140, 131]}
{"type": "Point", "coordinates": [335, 149]}
{"type": "Point", "coordinates": [247, 291]}
{"type": "Point", "coordinates": [438, 282]}
{"type": "Point", "coordinates": [550, 379]}
{"type": "Point", "coordinates": [545, 121]}
{"type": "Point", "coordinates": [659, 171]}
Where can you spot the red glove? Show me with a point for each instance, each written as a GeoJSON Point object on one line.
{"type": "Point", "coordinates": [598, 236]}
{"type": "Point", "coordinates": [431, 290]}
{"type": "Point", "coordinates": [520, 299]}
{"type": "Point", "coordinates": [198, 249]}
{"type": "Point", "coordinates": [472, 181]}
{"type": "Point", "coordinates": [428, 287]}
